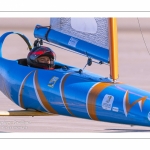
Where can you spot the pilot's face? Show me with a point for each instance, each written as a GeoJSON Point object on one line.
{"type": "Point", "coordinates": [44, 59]}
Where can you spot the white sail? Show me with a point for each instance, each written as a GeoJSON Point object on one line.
{"type": "Point", "coordinates": [92, 30]}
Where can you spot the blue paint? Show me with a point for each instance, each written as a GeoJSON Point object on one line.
{"type": "Point", "coordinates": [75, 89]}
{"type": "Point", "coordinates": [82, 47]}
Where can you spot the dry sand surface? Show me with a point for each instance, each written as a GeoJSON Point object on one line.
{"type": "Point", "coordinates": [134, 69]}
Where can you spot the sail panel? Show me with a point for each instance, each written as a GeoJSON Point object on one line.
{"type": "Point", "coordinates": [79, 27]}
{"type": "Point", "coordinates": [88, 36]}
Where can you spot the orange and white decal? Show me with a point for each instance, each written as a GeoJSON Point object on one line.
{"type": "Point", "coordinates": [92, 96]}
{"type": "Point", "coordinates": [62, 84]}
{"type": "Point", "coordinates": [127, 106]}
{"type": "Point", "coordinates": [20, 98]}
{"type": "Point", "coordinates": [40, 95]}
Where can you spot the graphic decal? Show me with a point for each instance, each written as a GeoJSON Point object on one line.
{"type": "Point", "coordinates": [73, 42]}
{"type": "Point", "coordinates": [123, 89]}
{"type": "Point", "coordinates": [40, 95]}
{"type": "Point", "coordinates": [127, 106]}
{"type": "Point", "coordinates": [62, 83]}
{"type": "Point", "coordinates": [20, 98]}
{"type": "Point", "coordinates": [92, 96]}
{"type": "Point", "coordinates": [107, 102]}
{"type": "Point", "coordinates": [52, 81]}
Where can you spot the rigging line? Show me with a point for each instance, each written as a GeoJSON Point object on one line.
{"type": "Point", "coordinates": [63, 48]}
{"type": "Point", "coordinates": [71, 51]}
{"type": "Point", "coordinates": [143, 37]}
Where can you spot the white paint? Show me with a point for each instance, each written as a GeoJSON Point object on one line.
{"type": "Point", "coordinates": [116, 109]}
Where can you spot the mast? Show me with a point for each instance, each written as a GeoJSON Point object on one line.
{"type": "Point", "coordinates": [113, 52]}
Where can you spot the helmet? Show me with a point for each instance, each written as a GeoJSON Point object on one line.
{"type": "Point", "coordinates": [36, 52]}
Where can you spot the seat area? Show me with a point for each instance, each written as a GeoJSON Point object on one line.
{"type": "Point", "coordinates": [23, 62]}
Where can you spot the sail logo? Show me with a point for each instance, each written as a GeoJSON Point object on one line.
{"type": "Point", "coordinates": [73, 42]}
{"type": "Point", "coordinates": [107, 102]}
{"type": "Point", "coordinates": [127, 106]}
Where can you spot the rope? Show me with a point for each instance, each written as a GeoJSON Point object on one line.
{"type": "Point", "coordinates": [72, 52]}
{"type": "Point", "coordinates": [143, 37]}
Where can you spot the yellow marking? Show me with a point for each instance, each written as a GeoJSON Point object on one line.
{"type": "Point", "coordinates": [24, 113]}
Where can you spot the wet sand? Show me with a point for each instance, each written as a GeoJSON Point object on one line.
{"type": "Point", "coordinates": [134, 69]}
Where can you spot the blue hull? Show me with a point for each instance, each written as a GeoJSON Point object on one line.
{"type": "Point", "coordinates": [67, 91]}
{"type": "Point", "coordinates": [70, 93]}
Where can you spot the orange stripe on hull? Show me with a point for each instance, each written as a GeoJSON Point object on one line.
{"type": "Point", "coordinates": [21, 90]}
{"type": "Point", "coordinates": [95, 91]}
{"type": "Point", "coordinates": [42, 96]}
{"type": "Point", "coordinates": [63, 95]}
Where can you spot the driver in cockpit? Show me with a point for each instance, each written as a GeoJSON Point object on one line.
{"type": "Point", "coordinates": [41, 57]}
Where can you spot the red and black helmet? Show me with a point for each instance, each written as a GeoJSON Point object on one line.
{"type": "Point", "coordinates": [41, 51]}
